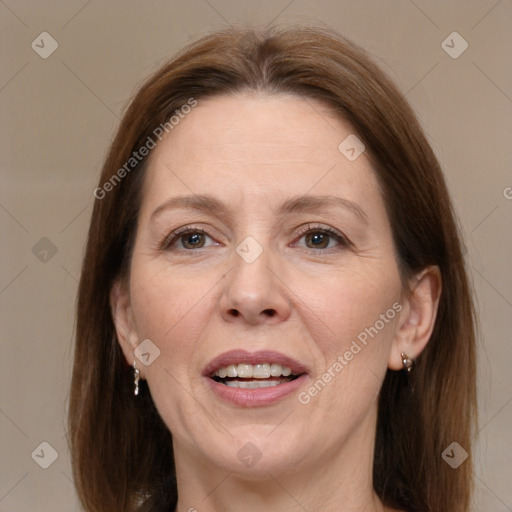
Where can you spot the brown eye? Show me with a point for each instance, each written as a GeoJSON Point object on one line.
{"type": "Point", "coordinates": [318, 240]}
{"type": "Point", "coordinates": [321, 238]}
{"type": "Point", "coordinates": [188, 239]}
{"type": "Point", "coordinates": [192, 240]}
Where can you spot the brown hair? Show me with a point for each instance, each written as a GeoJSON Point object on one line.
{"type": "Point", "coordinates": [121, 449]}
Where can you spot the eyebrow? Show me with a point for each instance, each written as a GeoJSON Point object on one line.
{"type": "Point", "coordinates": [208, 204]}
{"type": "Point", "coordinates": [308, 203]}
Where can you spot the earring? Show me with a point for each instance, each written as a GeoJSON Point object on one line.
{"type": "Point", "coordinates": [136, 378]}
{"type": "Point", "coordinates": [407, 362]}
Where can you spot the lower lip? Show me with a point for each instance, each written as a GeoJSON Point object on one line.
{"type": "Point", "coordinates": [255, 397]}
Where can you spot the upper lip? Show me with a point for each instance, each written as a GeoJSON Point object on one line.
{"type": "Point", "coordinates": [259, 357]}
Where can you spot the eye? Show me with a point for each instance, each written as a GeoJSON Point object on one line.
{"type": "Point", "coordinates": [317, 237]}
{"type": "Point", "coordinates": [186, 238]}
{"type": "Point", "coordinates": [192, 240]}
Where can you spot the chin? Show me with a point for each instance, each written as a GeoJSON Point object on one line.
{"type": "Point", "coordinates": [253, 453]}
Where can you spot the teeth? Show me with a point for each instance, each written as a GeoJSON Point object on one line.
{"type": "Point", "coordinates": [256, 371]}
{"type": "Point", "coordinates": [275, 370]}
{"type": "Point", "coordinates": [253, 384]}
{"type": "Point", "coordinates": [230, 371]}
{"type": "Point", "coordinates": [286, 371]}
{"type": "Point", "coordinates": [244, 371]}
{"type": "Point", "coordinates": [261, 371]}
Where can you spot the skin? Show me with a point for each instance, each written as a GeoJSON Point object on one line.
{"type": "Point", "coordinates": [253, 152]}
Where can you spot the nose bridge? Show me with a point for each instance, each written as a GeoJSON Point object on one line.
{"type": "Point", "coordinates": [253, 292]}
{"type": "Point", "coordinates": [252, 274]}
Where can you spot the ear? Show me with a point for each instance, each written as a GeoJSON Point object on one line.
{"type": "Point", "coordinates": [122, 315]}
{"type": "Point", "coordinates": [418, 316]}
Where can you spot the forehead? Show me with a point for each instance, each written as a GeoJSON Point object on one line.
{"type": "Point", "coordinates": [236, 124]}
{"type": "Point", "coordinates": [249, 145]}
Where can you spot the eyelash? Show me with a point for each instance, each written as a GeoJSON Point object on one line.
{"type": "Point", "coordinates": [169, 240]}
{"type": "Point", "coordinates": [340, 238]}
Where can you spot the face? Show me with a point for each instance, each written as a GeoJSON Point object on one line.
{"type": "Point", "coordinates": [287, 266]}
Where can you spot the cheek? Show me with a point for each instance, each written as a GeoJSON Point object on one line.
{"type": "Point", "coordinates": [164, 295]}
{"type": "Point", "coordinates": [172, 311]}
{"type": "Point", "coordinates": [351, 325]}
{"type": "Point", "coordinates": [169, 310]}
{"type": "Point", "coordinates": [340, 306]}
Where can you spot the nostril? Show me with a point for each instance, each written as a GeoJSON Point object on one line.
{"type": "Point", "coordinates": [267, 312]}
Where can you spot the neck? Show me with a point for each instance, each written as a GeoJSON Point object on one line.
{"type": "Point", "coordinates": [338, 480]}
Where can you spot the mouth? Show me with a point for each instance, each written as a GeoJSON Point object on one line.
{"type": "Point", "coordinates": [254, 376]}
{"type": "Point", "coordinates": [250, 379]}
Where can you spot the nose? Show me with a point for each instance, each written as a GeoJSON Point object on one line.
{"type": "Point", "coordinates": [254, 293]}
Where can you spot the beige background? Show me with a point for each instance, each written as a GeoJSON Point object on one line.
{"type": "Point", "coordinates": [59, 114]}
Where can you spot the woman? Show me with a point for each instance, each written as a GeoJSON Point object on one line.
{"type": "Point", "coordinates": [273, 312]}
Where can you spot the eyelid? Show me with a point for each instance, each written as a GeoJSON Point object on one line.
{"type": "Point", "coordinates": [169, 239]}
{"type": "Point", "coordinates": [338, 235]}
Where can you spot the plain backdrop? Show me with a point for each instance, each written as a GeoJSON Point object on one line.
{"type": "Point", "coordinates": [59, 113]}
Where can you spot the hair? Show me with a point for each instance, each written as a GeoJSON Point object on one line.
{"type": "Point", "coordinates": [121, 449]}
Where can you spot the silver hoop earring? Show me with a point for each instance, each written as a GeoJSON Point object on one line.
{"type": "Point", "coordinates": [136, 378]}
{"type": "Point", "coordinates": [407, 362]}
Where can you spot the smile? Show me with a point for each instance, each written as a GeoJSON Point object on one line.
{"type": "Point", "coordinates": [252, 379]}
{"type": "Point", "coordinates": [254, 376]}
